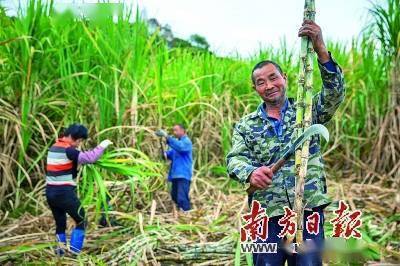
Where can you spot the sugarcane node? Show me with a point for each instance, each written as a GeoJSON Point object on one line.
{"type": "Point", "coordinates": [309, 11]}
{"type": "Point", "coordinates": [309, 15]}
{"type": "Point", "coordinates": [301, 104]}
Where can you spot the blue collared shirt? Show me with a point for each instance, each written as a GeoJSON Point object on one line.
{"type": "Point", "coordinates": [330, 65]}
{"type": "Point", "coordinates": [277, 123]}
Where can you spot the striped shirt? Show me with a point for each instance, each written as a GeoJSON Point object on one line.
{"type": "Point", "coordinates": [62, 164]}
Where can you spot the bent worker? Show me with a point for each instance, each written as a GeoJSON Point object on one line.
{"type": "Point", "coordinates": [180, 172]}
{"type": "Point", "coordinates": [63, 159]}
{"type": "Point", "coordinates": [259, 140]}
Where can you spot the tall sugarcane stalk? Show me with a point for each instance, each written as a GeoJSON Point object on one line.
{"type": "Point", "coordinates": [303, 119]}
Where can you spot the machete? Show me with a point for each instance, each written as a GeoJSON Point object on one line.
{"type": "Point", "coordinates": [312, 130]}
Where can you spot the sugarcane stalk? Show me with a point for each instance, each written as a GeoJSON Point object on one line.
{"type": "Point", "coordinates": [303, 119]}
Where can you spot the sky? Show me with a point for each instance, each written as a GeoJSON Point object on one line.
{"type": "Point", "coordinates": [243, 26]}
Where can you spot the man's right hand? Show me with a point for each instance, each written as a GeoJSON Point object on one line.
{"type": "Point", "coordinates": [261, 178]}
{"type": "Point", "coordinates": [161, 133]}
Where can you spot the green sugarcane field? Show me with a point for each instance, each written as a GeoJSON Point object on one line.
{"type": "Point", "coordinates": [125, 142]}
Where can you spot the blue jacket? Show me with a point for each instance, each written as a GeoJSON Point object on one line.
{"type": "Point", "coordinates": [180, 154]}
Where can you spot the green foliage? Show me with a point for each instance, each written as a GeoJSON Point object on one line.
{"type": "Point", "coordinates": [119, 166]}
{"type": "Point", "coordinates": [385, 26]}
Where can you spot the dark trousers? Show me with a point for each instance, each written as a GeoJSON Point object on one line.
{"type": "Point", "coordinates": [180, 193]}
{"type": "Point", "coordinates": [63, 200]}
{"type": "Point", "coordinates": [311, 258]}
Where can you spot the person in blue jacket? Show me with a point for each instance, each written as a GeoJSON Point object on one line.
{"type": "Point", "coordinates": [180, 172]}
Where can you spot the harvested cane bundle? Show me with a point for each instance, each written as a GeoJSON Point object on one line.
{"type": "Point", "coordinates": [128, 167]}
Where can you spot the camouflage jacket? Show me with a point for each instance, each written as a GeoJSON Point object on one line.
{"type": "Point", "coordinates": [255, 143]}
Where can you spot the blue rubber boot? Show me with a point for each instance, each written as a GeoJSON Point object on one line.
{"type": "Point", "coordinates": [77, 238]}
{"type": "Point", "coordinates": [61, 244]}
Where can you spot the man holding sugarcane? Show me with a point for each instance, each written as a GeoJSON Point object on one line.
{"type": "Point", "coordinates": [260, 139]}
{"type": "Point", "coordinates": [180, 172]}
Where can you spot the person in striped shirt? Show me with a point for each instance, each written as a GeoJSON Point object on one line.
{"type": "Point", "coordinates": [63, 159]}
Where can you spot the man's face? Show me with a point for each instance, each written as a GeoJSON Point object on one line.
{"type": "Point", "coordinates": [178, 131]}
{"type": "Point", "coordinates": [270, 84]}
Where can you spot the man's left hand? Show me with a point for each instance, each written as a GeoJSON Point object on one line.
{"type": "Point", "coordinates": [310, 29]}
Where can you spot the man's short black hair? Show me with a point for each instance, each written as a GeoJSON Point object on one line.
{"type": "Point", "coordinates": [76, 131]}
{"type": "Point", "coordinates": [264, 63]}
{"type": "Point", "coordinates": [181, 126]}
